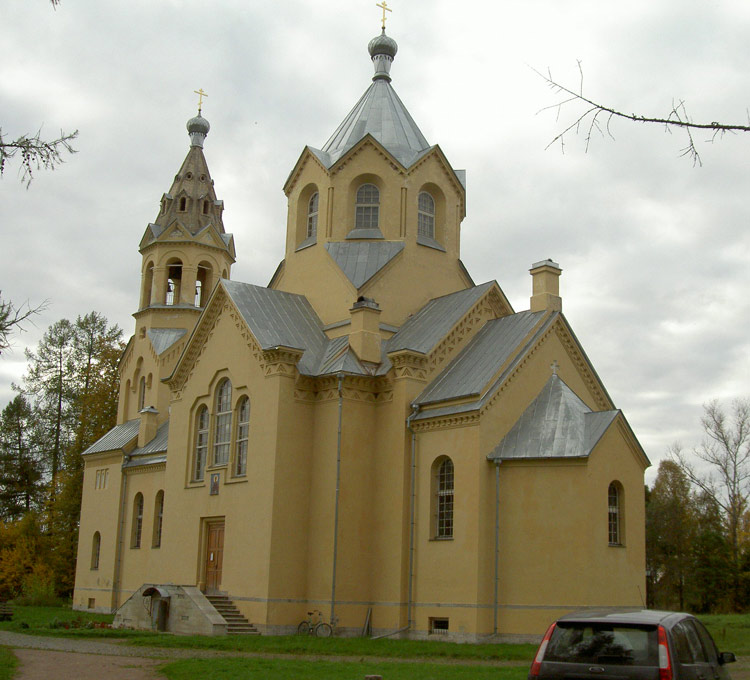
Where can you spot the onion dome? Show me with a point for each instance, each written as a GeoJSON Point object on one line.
{"type": "Point", "coordinates": [197, 128]}
{"type": "Point", "coordinates": [382, 49]}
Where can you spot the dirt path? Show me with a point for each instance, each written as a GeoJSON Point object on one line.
{"type": "Point", "coordinates": [37, 664]}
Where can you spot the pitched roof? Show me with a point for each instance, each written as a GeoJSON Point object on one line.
{"type": "Point", "coordinates": [469, 374]}
{"type": "Point", "coordinates": [116, 439]}
{"type": "Point", "coordinates": [361, 261]}
{"type": "Point", "coordinates": [163, 338]}
{"type": "Point", "coordinates": [379, 113]}
{"type": "Point", "coordinates": [152, 452]}
{"type": "Point", "coordinates": [277, 318]}
{"type": "Point", "coordinates": [557, 424]}
{"type": "Point", "coordinates": [430, 324]}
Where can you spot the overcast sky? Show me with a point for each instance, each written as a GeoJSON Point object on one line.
{"type": "Point", "coordinates": [654, 251]}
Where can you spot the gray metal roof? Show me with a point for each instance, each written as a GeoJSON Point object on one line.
{"type": "Point", "coordinates": [157, 445]}
{"type": "Point", "coordinates": [361, 261]}
{"type": "Point", "coordinates": [557, 424]}
{"type": "Point", "coordinates": [380, 113]}
{"type": "Point", "coordinates": [163, 338]}
{"type": "Point", "coordinates": [470, 372]}
{"type": "Point", "coordinates": [432, 323]}
{"type": "Point", "coordinates": [277, 318]}
{"type": "Point", "coordinates": [116, 439]}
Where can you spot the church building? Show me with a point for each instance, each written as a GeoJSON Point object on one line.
{"type": "Point", "coordinates": [372, 436]}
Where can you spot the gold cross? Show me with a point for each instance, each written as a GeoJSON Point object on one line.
{"type": "Point", "coordinates": [202, 94]}
{"type": "Point", "coordinates": [385, 7]}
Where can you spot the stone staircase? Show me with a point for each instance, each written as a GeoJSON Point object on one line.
{"type": "Point", "coordinates": [236, 623]}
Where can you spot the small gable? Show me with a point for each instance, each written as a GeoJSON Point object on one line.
{"type": "Point", "coordinates": [557, 424]}
{"type": "Point", "coordinates": [361, 261]}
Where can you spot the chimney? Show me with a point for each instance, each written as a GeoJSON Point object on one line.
{"type": "Point", "coordinates": [545, 286]}
{"type": "Point", "coordinates": [147, 429]}
{"type": "Point", "coordinates": [364, 337]}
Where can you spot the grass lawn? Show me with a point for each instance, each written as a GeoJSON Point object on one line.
{"type": "Point", "coordinates": [731, 632]}
{"type": "Point", "coordinates": [7, 664]}
{"type": "Point", "coordinates": [292, 669]}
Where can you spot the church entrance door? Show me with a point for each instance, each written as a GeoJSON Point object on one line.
{"type": "Point", "coordinates": [214, 556]}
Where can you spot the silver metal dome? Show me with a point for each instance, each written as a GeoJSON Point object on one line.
{"type": "Point", "coordinates": [382, 44]}
{"type": "Point", "coordinates": [197, 128]}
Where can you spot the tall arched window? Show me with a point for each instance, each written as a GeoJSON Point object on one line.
{"type": "Point", "coordinates": [223, 435]}
{"type": "Point", "coordinates": [142, 393]}
{"type": "Point", "coordinates": [183, 204]}
{"type": "Point", "coordinates": [135, 538]}
{"type": "Point", "coordinates": [201, 444]}
{"type": "Point", "coordinates": [96, 545]}
{"type": "Point", "coordinates": [312, 215]}
{"type": "Point", "coordinates": [443, 498]}
{"type": "Point", "coordinates": [367, 208]}
{"type": "Point", "coordinates": [243, 430]}
{"type": "Point", "coordinates": [614, 513]}
{"type": "Point", "coordinates": [158, 518]}
{"type": "Point", "coordinates": [426, 215]}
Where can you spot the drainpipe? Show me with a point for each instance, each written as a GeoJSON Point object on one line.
{"type": "Point", "coordinates": [412, 505]}
{"type": "Point", "coordinates": [121, 538]}
{"type": "Point", "coordinates": [497, 536]}
{"type": "Point", "coordinates": [336, 502]}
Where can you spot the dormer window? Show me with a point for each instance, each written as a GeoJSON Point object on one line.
{"type": "Point", "coordinates": [183, 204]}
{"type": "Point", "coordinates": [426, 215]}
{"type": "Point", "coordinates": [312, 215]}
{"type": "Point", "coordinates": [367, 208]}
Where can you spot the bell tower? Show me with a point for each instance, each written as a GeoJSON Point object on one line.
{"type": "Point", "coordinates": [185, 252]}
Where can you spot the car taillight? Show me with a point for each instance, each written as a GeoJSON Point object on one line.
{"type": "Point", "coordinates": [537, 663]}
{"type": "Point", "coordinates": [665, 661]}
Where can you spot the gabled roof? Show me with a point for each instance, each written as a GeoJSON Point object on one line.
{"type": "Point", "coordinates": [280, 319]}
{"type": "Point", "coordinates": [163, 338]}
{"type": "Point", "coordinates": [470, 373]}
{"type": "Point", "coordinates": [430, 324]}
{"type": "Point", "coordinates": [557, 424]}
{"type": "Point", "coordinates": [361, 261]}
{"type": "Point", "coordinates": [380, 113]}
{"type": "Point", "coordinates": [116, 439]}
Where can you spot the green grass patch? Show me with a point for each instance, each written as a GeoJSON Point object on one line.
{"type": "Point", "coordinates": [60, 622]}
{"type": "Point", "coordinates": [731, 632]}
{"type": "Point", "coordinates": [297, 669]}
{"type": "Point", "coordinates": [8, 663]}
{"type": "Point", "coordinates": [362, 647]}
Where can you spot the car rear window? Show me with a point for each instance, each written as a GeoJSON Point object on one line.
{"type": "Point", "coordinates": [603, 643]}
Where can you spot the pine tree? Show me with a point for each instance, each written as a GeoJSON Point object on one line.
{"type": "Point", "coordinates": [21, 468]}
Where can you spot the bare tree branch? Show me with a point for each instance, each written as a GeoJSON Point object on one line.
{"type": "Point", "coordinates": [12, 318]}
{"type": "Point", "coordinates": [35, 152]}
{"type": "Point", "coordinates": [590, 121]}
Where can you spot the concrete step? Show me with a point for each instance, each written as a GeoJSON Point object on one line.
{"type": "Point", "coordinates": [237, 624]}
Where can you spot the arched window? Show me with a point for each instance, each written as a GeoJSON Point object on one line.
{"type": "Point", "coordinates": [367, 208]}
{"type": "Point", "coordinates": [142, 393]}
{"type": "Point", "coordinates": [135, 538]}
{"type": "Point", "coordinates": [243, 429]}
{"type": "Point", "coordinates": [312, 215]}
{"type": "Point", "coordinates": [148, 282]}
{"type": "Point", "coordinates": [426, 215]}
{"type": "Point", "coordinates": [174, 280]}
{"type": "Point", "coordinates": [614, 513]}
{"type": "Point", "coordinates": [158, 517]}
{"type": "Point", "coordinates": [96, 545]}
{"type": "Point", "coordinates": [443, 498]}
{"type": "Point", "coordinates": [223, 435]}
{"type": "Point", "coordinates": [183, 204]}
{"type": "Point", "coordinates": [201, 444]}
{"type": "Point", "coordinates": [205, 207]}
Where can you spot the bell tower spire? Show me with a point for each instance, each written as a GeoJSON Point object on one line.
{"type": "Point", "coordinates": [185, 252]}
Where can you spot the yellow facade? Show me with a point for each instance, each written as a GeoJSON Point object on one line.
{"type": "Point", "coordinates": [351, 438]}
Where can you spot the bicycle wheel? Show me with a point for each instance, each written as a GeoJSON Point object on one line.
{"type": "Point", "coordinates": [323, 629]}
{"type": "Point", "coordinates": [304, 628]}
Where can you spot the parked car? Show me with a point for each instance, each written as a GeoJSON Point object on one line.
{"type": "Point", "coordinates": [617, 644]}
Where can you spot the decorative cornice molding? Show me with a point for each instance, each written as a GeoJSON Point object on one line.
{"type": "Point", "coordinates": [409, 364]}
{"type": "Point", "coordinates": [447, 422]}
{"type": "Point", "coordinates": [281, 361]}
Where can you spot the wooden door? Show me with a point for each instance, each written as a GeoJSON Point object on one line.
{"type": "Point", "coordinates": [214, 556]}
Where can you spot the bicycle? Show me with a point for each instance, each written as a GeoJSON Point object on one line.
{"type": "Point", "coordinates": [315, 626]}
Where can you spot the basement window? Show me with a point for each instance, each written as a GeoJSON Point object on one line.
{"type": "Point", "coordinates": [438, 626]}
